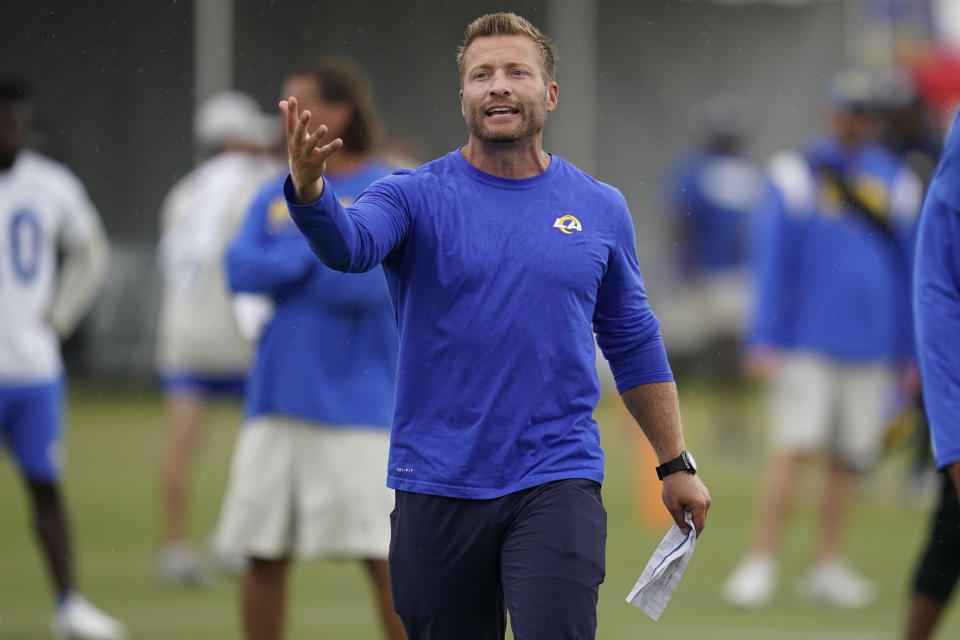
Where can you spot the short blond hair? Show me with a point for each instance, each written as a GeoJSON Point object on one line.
{"type": "Point", "coordinates": [509, 24]}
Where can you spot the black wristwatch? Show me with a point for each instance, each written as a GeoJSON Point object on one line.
{"type": "Point", "coordinates": [683, 462]}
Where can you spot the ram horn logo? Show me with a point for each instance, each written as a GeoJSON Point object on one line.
{"type": "Point", "coordinates": [568, 224]}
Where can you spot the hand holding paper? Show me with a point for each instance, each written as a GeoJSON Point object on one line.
{"type": "Point", "coordinates": [662, 574]}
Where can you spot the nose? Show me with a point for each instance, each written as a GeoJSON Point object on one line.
{"type": "Point", "coordinates": [499, 86]}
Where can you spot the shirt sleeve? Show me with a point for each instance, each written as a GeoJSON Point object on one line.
{"type": "Point", "coordinates": [627, 330]}
{"type": "Point", "coordinates": [936, 296]}
{"type": "Point", "coordinates": [259, 261]}
{"type": "Point", "coordinates": [85, 257]}
{"type": "Point", "coordinates": [359, 237]}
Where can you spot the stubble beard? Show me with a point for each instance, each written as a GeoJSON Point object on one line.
{"type": "Point", "coordinates": [532, 122]}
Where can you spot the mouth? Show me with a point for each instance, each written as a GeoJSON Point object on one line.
{"type": "Point", "coordinates": [501, 111]}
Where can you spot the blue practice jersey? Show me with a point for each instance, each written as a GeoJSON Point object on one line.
{"type": "Point", "coordinates": [713, 198]}
{"type": "Point", "coordinates": [937, 303]}
{"type": "Point", "coordinates": [328, 355]}
{"type": "Point", "coordinates": [496, 284]}
{"type": "Point", "coordinates": [829, 280]}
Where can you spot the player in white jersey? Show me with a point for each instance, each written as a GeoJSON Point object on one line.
{"type": "Point", "coordinates": [201, 352]}
{"type": "Point", "coordinates": [43, 209]}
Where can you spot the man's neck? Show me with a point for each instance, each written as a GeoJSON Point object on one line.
{"type": "Point", "coordinates": [516, 160]}
{"type": "Point", "coordinates": [344, 161]}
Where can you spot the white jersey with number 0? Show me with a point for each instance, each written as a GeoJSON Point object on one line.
{"type": "Point", "coordinates": [43, 207]}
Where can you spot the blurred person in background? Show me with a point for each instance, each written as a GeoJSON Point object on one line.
{"type": "Point", "coordinates": [936, 296]}
{"type": "Point", "coordinates": [911, 130]}
{"type": "Point", "coordinates": [831, 331]}
{"type": "Point", "coordinates": [44, 209]}
{"type": "Point", "coordinates": [501, 261]}
{"type": "Point", "coordinates": [713, 196]}
{"type": "Point", "coordinates": [201, 353]}
{"type": "Point", "coordinates": [909, 126]}
{"type": "Point", "coordinates": [307, 473]}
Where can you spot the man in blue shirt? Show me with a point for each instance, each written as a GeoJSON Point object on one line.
{"type": "Point", "coordinates": [307, 475]}
{"type": "Point", "coordinates": [830, 328]}
{"type": "Point", "coordinates": [498, 258]}
{"type": "Point", "coordinates": [936, 299]}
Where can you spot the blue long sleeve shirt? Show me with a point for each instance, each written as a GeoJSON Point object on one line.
{"type": "Point", "coordinates": [828, 280]}
{"type": "Point", "coordinates": [937, 303]}
{"type": "Point", "coordinates": [328, 355]}
{"type": "Point", "coordinates": [496, 284]}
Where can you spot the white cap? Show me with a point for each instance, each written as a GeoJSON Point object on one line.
{"type": "Point", "coordinates": [234, 117]}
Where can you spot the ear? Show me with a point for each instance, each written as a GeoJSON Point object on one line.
{"type": "Point", "coordinates": [462, 108]}
{"type": "Point", "coordinates": [553, 93]}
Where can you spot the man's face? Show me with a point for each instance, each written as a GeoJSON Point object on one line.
{"type": "Point", "coordinates": [852, 126]}
{"type": "Point", "coordinates": [306, 90]}
{"type": "Point", "coordinates": [14, 128]}
{"type": "Point", "coordinates": [505, 96]}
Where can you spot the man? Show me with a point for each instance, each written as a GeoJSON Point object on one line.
{"type": "Point", "coordinates": [44, 208]}
{"type": "Point", "coordinates": [498, 257]}
{"type": "Point", "coordinates": [712, 199]}
{"type": "Point", "coordinates": [937, 315]}
{"type": "Point", "coordinates": [307, 476]}
{"type": "Point", "coordinates": [201, 353]}
{"type": "Point", "coordinates": [830, 330]}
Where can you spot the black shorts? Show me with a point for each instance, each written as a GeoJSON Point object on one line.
{"type": "Point", "coordinates": [940, 563]}
{"type": "Point", "coordinates": [457, 565]}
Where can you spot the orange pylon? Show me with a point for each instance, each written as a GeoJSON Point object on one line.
{"type": "Point", "coordinates": [648, 502]}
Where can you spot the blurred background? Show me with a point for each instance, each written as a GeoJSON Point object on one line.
{"type": "Point", "coordinates": [116, 84]}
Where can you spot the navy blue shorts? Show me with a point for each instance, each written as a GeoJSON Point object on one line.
{"type": "Point", "coordinates": [31, 425]}
{"type": "Point", "coordinates": [457, 566]}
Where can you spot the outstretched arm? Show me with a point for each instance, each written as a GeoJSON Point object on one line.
{"type": "Point", "coordinates": [655, 408]}
{"type": "Point", "coordinates": [262, 262]}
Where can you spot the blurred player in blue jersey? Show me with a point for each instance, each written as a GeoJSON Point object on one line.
{"type": "Point", "coordinates": [936, 297]}
{"type": "Point", "coordinates": [712, 202]}
{"type": "Point", "coordinates": [831, 331]}
{"type": "Point", "coordinates": [201, 352]}
{"type": "Point", "coordinates": [307, 476]}
{"type": "Point", "coordinates": [44, 209]}
{"type": "Point", "coordinates": [713, 196]}
{"type": "Point", "coordinates": [501, 260]}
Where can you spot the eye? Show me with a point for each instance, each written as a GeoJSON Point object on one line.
{"type": "Point", "coordinates": [519, 73]}
{"type": "Point", "coordinates": [480, 75]}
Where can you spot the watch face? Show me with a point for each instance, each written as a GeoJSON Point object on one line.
{"type": "Point", "coordinates": [688, 458]}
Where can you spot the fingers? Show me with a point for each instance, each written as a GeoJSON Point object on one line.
{"type": "Point", "coordinates": [683, 493]}
{"type": "Point", "coordinates": [699, 515]}
{"type": "Point", "coordinates": [328, 149]}
{"type": "Point", "coordinates": [296, 127]}
{"type": "Point", "coordinates": [289, 109]}
{"type": "Point", "coordinates": [678, 517]}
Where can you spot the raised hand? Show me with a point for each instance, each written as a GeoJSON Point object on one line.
{"type": "Point", "coordinates": [308, 160]}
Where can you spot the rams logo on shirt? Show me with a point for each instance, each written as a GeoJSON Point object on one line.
{"type": "Point", "coordinates": [567, 224]}
{"type": "Point", "coordinates": [277, 213]}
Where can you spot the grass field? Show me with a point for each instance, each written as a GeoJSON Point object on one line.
{"type": "Point", "coordinates": [113, 445]}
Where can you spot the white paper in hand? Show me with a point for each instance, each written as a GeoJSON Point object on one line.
{"type": "Point", "coordinates": [660, 578]}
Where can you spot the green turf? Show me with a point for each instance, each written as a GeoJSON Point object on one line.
{"type": "Point", "coordinates": [113, 448]}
